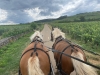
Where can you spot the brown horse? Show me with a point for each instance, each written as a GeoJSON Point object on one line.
{"type": "Point", "coordinates": [35, 59]}
{"type": "Point", "coordinates": [66, 64]}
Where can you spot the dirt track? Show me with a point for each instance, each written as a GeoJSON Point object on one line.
{"type": "Point", "coordinates": [46, 32]}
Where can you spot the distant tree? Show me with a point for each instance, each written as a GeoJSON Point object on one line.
{"type": "Point", "coordinates": [62, 17]}
{"type": "Point", "coordinates": [76, 20]}
{"type": "Point", "coordinates": [33, 25]}
{"type": "Point", "coordinates": [21, 23]}
{"type": "Point", "coordinates": [82, 18]}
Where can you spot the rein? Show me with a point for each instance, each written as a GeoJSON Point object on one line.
{"type": "Point", "coordinates": [53, 50]}
{"type": "Point", "coordinates": [59, 39]}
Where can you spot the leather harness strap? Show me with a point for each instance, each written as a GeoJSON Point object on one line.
{"type": "Point", "coordinates": [35, 49]}
{"type": "Point", "coordinates": [59, 62]}
{"type": "Point", "coordinates": [59, 39]}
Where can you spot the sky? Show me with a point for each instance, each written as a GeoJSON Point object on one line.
{"type": "Point", "coordinates": [25, 11]}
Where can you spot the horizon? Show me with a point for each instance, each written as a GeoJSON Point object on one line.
{"type": "Point", "coordinates": [17, 11]}
{"type": "Point", "coordinates": [11, 23]}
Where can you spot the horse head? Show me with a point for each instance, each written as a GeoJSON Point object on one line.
{"type": "Point", "coordinates": [55, 33]}
{"type": "Point", "coordinates": [36, 36]}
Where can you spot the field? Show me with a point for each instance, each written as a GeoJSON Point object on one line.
{"type": "Point", "coordinates": [12, 30]}
{"type": "Point", "coordinates": [11, 53]}
{"type": "Point", "coordinates": [87, 33]}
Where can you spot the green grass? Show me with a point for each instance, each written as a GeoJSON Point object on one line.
{"type": "Point", "coordinates": [10, 55]}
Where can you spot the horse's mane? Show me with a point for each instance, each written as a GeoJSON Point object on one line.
{"type": "Point", "coordinates": [57, 32]}
{"type": "Point", "coordinates": [37, 33]}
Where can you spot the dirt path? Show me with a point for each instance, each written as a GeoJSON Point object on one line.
{"type": "Point", "coordinates": [46, 32]}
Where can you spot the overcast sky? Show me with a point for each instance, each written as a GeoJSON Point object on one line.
{"type": "Point", "coordinates": [23, 11]}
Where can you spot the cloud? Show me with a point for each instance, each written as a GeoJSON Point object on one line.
{"type": "Point", "coordinates": [69, 8]}
{"type": "Point", "coordinates": [20, 11]}
{"type": "Point", "coordinates": [3, 15]}
{"type": "Point", "coordinates": [36, 14]}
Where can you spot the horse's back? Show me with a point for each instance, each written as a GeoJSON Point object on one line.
{"type": "Point", "coordinates": [43, 59]}
{"type": "Point", "coordinates": [66, 63]}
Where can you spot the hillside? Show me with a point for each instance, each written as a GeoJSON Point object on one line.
{"type": "Point", "coordinates": [88, 16]}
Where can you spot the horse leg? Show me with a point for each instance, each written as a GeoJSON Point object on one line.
{"type": "Point", "coordinates": [34, 66]}
{"type": "Point", "coordinates": [81, 68]}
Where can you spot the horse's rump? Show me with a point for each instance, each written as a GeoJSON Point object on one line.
{"type": "Point", "coordinates": [39, 63]}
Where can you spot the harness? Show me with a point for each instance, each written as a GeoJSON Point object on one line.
{"type": "Point", "coordinates": [35, 52]}
{"type": "Point", "coordinates": [59, 39]}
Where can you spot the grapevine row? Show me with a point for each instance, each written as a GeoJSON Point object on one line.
{"type": "Point", "coordinates": [88, 32]}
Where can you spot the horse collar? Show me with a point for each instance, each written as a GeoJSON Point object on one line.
{"type": "Point", "coordinates": [37, 38]}
{"type": "Point", "coordinates": [59, 38]}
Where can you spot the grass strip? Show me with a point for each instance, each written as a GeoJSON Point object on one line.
{"type": "Point", "coordinates": [10, 55]}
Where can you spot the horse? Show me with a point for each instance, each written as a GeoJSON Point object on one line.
{"type": "Point", "coordinates": [65, 64]}
{"type": "Point", "coordinates": [35, 59]}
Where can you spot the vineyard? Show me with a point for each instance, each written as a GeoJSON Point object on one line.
{"type": "Point", "coordinates": [86, 32]}
{"type": "Point", "coordinates": [6, 31]}
{"type": "Point", "coordinates": [12, 30]}
{"type": "Point", "coordinates": [11, 53]}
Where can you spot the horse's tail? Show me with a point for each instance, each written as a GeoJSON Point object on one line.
{"type": "Point", "coordinates": [34, 66]}
{"type": "Point", "coordinates": [81, 68]}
